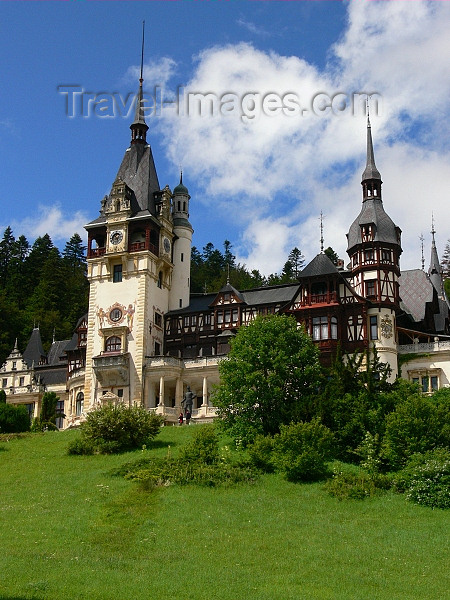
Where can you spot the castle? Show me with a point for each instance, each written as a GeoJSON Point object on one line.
{"type": "Point", "coordinates": [145, 338]}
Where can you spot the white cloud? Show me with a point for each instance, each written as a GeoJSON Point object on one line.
{"type": "Point", "coordinates": [278, 172]}
{"type": "Point", "coordinates": [59, 225]}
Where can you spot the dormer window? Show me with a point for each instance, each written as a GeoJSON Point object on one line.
{"type": "Point", "coordinates": [367, 232]}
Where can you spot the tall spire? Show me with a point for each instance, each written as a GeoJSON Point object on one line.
{"type": "Point", "coordinates": [139, 127]}
{"type": "Point", "coordinates": [434, 270]}
{"type": "Point", "coordinates": [370, 172]}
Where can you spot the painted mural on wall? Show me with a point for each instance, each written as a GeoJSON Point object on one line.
{"type": "Point", "coordinates": [116, 314]}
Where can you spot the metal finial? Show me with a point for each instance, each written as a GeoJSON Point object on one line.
{"type": "Point", "coordinates": [142, 53]}
{"type": "Point", "coordinates": [421, 238]}
{"type": "Point", "coordinates": [322, 217]}
{"type": "Point", "coordinates": [228, 273]}
{"type": "Point", "coordinates": [433, 230]}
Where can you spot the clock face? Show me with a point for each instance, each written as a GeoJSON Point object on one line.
{"type": "Point", "coordinates": [166, 243]}
{"type": "Point", "coordinates": [115, 314]}
{"type": "Point", "coordinates": [116, 237]}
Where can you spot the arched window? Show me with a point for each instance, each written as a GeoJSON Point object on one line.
{"type": "Point", "coordinates": [79, 403]}
{"type": "Point", "coordinates": [113, 344]}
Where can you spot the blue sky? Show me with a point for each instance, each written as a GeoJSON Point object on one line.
{"type": "Point", "coordinates": [259, 182]}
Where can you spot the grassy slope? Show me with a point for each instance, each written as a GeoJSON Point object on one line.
{"type": "Point", "coordinates": [68, 530]}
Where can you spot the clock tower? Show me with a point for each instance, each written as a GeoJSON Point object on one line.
{"type": "Point", "coordinates": [138, 266]}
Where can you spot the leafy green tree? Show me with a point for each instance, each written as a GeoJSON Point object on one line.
{"type": "Point", "coordinates": [356, 399]}
{"type": "Point", "coordinates": [268, 377]}
{"type": "Point", "coordinates": [302, 449]}
{"type": "Point", "coordinates": [2, 397]}
{"type": "Point", "coordinates": [47, 417]}
{"type": "Point", "coordinates": [418, 424]}
{"type": "Point", "coordinates": [13, 419]}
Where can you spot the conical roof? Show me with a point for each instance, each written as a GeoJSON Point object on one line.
{"type": "Point", "coordinates": [371, 171]}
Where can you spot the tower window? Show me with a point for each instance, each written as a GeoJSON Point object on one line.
{"type": "Point", "coordinates": [160, 276]}
{"type": "Point", "coordinates": [157, 349]}
{"type": "Point", "coordinates": [117, 273]}
{"type": "Point", "coordinates": [182, 257]}
{"type": "Point", "coordinates": [371, 290]}
{"type": "Point", "coordinates": [373, 323]}
{"type": "Point", "coordinates": [158, 319]}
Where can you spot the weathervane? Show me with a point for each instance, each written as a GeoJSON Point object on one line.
{"type": "Point", "coordinates": [322, 217]}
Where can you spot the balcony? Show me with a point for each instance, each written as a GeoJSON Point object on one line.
{"type": "Point", "coordinates": [314, 299]}
{"type": "Point", "coordinates": [96, 252]}
{"type": "Point", "coordinates": [112, 368]}
{"type": "Point", "coordinates": [443, 346]}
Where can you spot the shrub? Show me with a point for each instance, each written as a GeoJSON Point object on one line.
{"type": "Point", "coordinates": [112, 429]}
{"type": "Point", "coordinates": [417, 425]}
{"type": "Point", "coordinates": [163, 472]}
{"type": "Point", "coordinates": [346, 485]}
{"type": "Point", "coordinates": [426, 479]}
{"type": "Point", "coordinates": [302, 449]}
{"type": "Point", "coordinates": [13, 419]}
{"type": "Point", "coordinates": [79, 447]}
{"type": "Point", "coordinates": [260, 454]}
{"type": "Point", "coordinates": [203, 448]}
{"type": "Point", "coordinates": [369, 450]}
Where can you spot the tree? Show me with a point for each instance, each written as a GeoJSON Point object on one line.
{"type": "Point", "coordinates": [13, 419]}
{"type": "Point", "coordinates": [445, 262]}
{"type": "Point", "coordinates": [267, 379]}
{"type": "Point", "coordinates": [47, 418]}
{"type": "Point", "coordinates": [332, 255]}
{"type": "Point", "coordinates": [297, 261]}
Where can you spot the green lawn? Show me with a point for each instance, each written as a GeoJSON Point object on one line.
{"type": "Point", "coordinates": [69, 530]}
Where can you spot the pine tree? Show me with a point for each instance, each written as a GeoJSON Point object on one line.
{"type": "Point", "coordinates": [332, 255]}
{"type": "Point", "coordinates": [6, 252]}
{"type": "Point", "coordinates": [297, 261]}
{"type": "Point", "coordinates": [445, 262]}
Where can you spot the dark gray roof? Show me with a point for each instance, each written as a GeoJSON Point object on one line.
{"type": "Point", "coordinates": [434, 271]}
{"type": "Point", "coordinates": [34, 352]}
{"type": "Point", "coordinates": [416, 291]}
{"type": "Point", "coordinates": [373, 212]}
{"type": "Point", "coordinates": [52, 376]}
{"type": "Point", "coordinates": [320, 265]}
{"type": "Point", "coordinates": [56, 354]}
{"type": "Point", "coordinates": [280, 294]}
{"type": "Point", "coordinates": [139, 173]}
{"type": "Point", "coordinates": [228, 288]}
{"type": "Point", "coordinates": [442, 317]}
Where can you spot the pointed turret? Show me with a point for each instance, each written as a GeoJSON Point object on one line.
{"type": "Point", "coordinates": [139, 127]}
{"type": "Point", "coordinates": [434, 271]}
{"type": "Point", "coordinates": [371, 171]}
{"type": "Point", "coordinates": [371, 178]}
